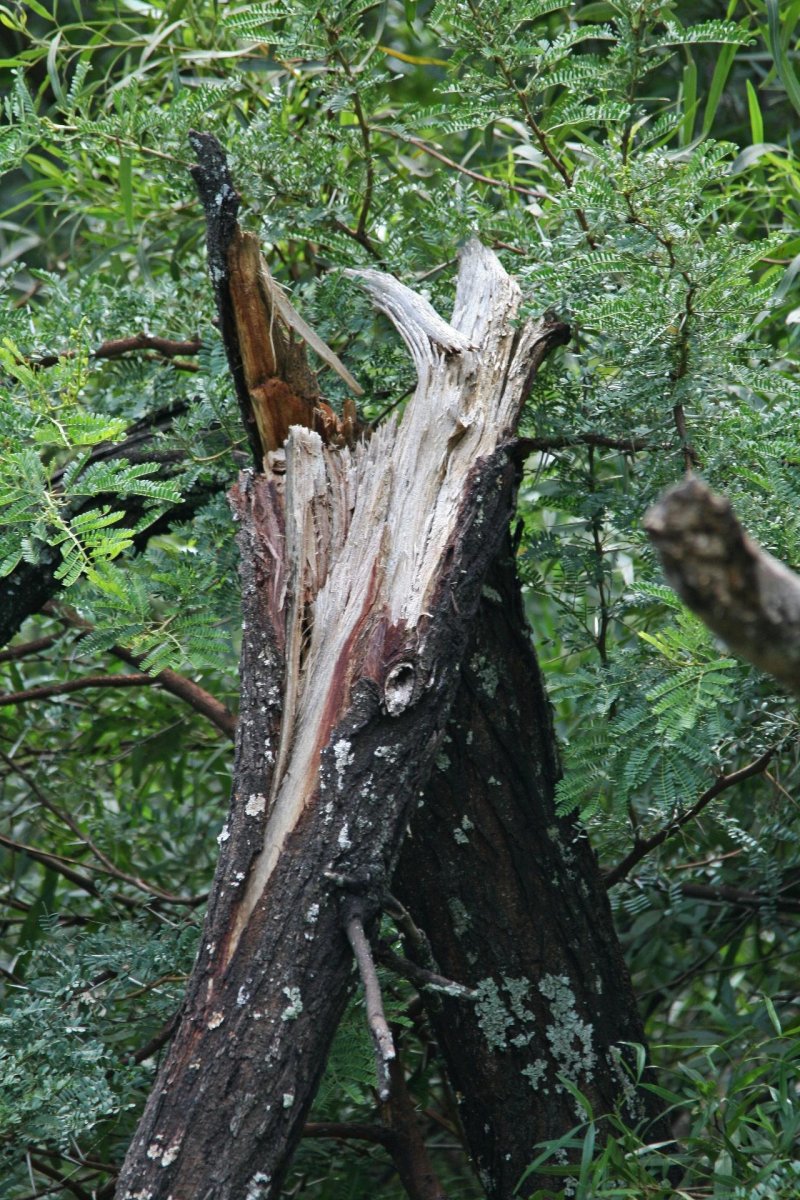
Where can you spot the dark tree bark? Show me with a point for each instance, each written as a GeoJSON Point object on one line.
{"type": "Point", "coordinates": [513, 905]}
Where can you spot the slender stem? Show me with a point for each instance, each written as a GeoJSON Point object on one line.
{"type": "Point", "coordinates": [642, 848]}
{"type": "Point", "coordinates": [629, 445]}
{"type": "Point", "coordinates": [426, 148]}
{"type": "Point", "coordinates": [166, 347]}
{"type": "Point", "coordinates": [421, 977]}
{"type": "Point", "coordinates": [76, 685]}
{"type": "Point", "coordinates": [376, 1018]}
{"type": "Point", "coordinates": [178, 685]}
{"type": "Point", "coordinates": [23, 649]}
{"type": "Point", "coordinates": [360, 232]}
{"type": "Point", "coordinates": [346, 1130]}
{"type": "Point", "coordinates": [599, 553]}
{"type": "Point", "coordinates": [110, 867]}
{"type": "Point", "coordinates": [541, 137]}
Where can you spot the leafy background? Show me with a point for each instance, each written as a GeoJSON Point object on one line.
{"type": "Point", "coordinates": [632, 163]}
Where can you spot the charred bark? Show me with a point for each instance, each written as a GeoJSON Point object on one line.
{"type": "Point", "coordinates": [513, 905]}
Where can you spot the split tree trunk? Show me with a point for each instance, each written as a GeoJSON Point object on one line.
{"type": "Point", "coordinates": [362, 569]}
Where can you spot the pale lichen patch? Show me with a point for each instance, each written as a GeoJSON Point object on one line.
{"type": "Point", "coordinates": [494, 1018]}
{"type": "Point", "coordinates": [535, 1073]}
{"type": "Point", "coordinates": [343, 757]}
{"type": "Point", "coordinates": [570, 1038]}
{"type": "Point", "coordinates": [257, 1186]}
{"type": "Point", "coordinates": [216, 1019]}
{"type": "Point", "coordinates": [486, 673]}
{"type": "Point", "coordinates": [461, 918]}
{"type": "Point", "coordinates": [295, 1005]}
{"type": "Point", "coordinates": [170, 1154]}
{"type": "Point", "coordinates": [256, 804]}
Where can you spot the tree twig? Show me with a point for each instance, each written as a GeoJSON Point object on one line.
{"type": "Point", "coordinates": [646, 845]}
{"type": "Point", "coordinates": [421, 977]}
{"type": "Point", "coordinates": [721, 893]}
{"type": "Point", "coordinates": [110, 867]}
{"type": "Point", "coordinates": [409, 1152]}
{"type": "Point", "coordinates": [426, 148]}
{"type": "Point", "coordinates": [628, 445]}
{"type": "Point", "coordinates": [178, 685]}
{"type": "Point", "coordinates": [24, 649]}
{"type": "Point", "coordinates": [46, 690]}
{"type": "Point", "coordinates": [157, 1041]}
{"type": "Point", "coordinates": [346, 1130]}
{"type": "Point", "coordinates": [376, 1018]}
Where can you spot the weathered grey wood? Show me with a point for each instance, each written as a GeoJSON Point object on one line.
{"type": "Point", "coordinates": [741, 592]}
{"type": "Point", "coordinates": [362, 570]}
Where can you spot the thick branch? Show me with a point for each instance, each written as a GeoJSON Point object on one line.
{"type": "Point", "coordinates": [115, 348]}
{"type": "Point", "coordinates": [741, 592]}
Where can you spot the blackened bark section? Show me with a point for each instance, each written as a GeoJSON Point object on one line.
{"type": "Point", "coordinates": [259, 1018]}
{"type": "Point", "coordinates": [511, 899]}
{"type": "Point", "coordinates": [220, 202]}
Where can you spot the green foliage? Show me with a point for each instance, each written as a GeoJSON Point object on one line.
{"type": "Point", "coordinates": [631, 160]}
{"type": "Point", "coordinates": [738, 1141]}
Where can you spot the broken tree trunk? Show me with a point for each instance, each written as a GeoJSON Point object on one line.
{"type": "Point", "coordinates": [362, 568]}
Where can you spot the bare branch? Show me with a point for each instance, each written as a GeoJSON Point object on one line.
{"type": "Point", "coordinates": [421, 977]}
{"type": "Point", "coordinates": [110, 867]}
{"type": "Point", "coordinates": [345, 1130]}
{"type": "Point", "coordinates": [46, 690]}
{"type": "Point", "coordinates": [166, 347]}
{"type": "Point", "coordinates": [24, 649]}
{"type": "Point", "coordinates": [738, 590]}
{"type": "Point", "coordinates": [376, 1018]}
{"type": "Point", "coordinates": [433, 152]}
{"type": "Point", "coordinates": [178, 685]}
{"type": "Point", "coordinates": [158, 1041]}
{"type": "Point", "coordinates": [721, 893]}
{"type": "Point", "coordinates": [628, 445]}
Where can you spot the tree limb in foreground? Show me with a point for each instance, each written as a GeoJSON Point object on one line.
{"type": "Point", "coordinates": [738, 590]}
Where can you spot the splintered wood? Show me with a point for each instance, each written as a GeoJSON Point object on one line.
{"type": "Point", "coordinates": [367, 529]}
{"type": "Point", "coordinates": [282, 387]}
